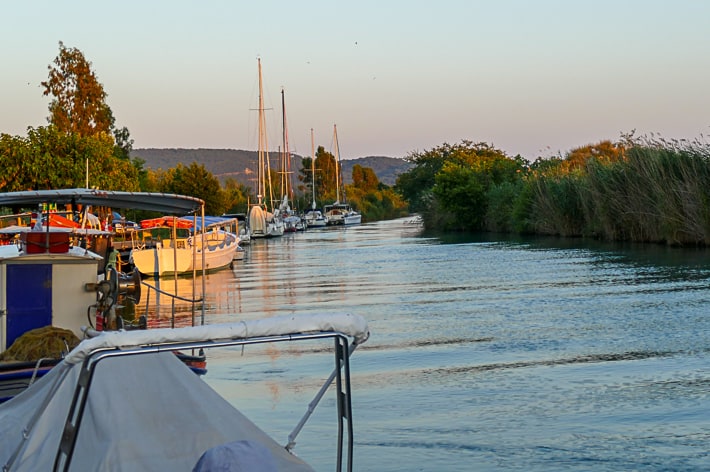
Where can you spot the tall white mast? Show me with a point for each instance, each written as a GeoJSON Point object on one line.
{"type": "Point", "coordinates": [261, 181]}
{"type": "Point", "coordinates": [264, 161]}
{"type": "Point", "coordinates": [313, 170]}
{"type": "Point", "coordinates": [337, 164]}
{"type": "Point", "coordinates": [286, 186]}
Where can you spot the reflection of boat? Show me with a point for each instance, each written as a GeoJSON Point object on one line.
{"type": "Point", "coordinates": [340, 213]}
{"type": "Point", "coordinates": [84, 415]}
{"type": "Point", "coordinates": [262, 222]}
{"type": "Point", "coordinates": [48, 280]}
{"type": "Point", "coordinates": [178, 247]}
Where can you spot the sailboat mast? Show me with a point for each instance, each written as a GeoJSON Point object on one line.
{"type": "Point", "coordinates": [286, 156]}
{"type": "Point", "coordinates": [261, 190]}
{"type": "Point", "coordinates": [337, 164]}
{"type": "Point", "coordinates": [313, 170]}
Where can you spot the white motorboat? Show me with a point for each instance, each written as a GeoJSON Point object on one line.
{"type": "Point", "coordinates": [315, 219]}
{"type": "Point", "coordinates": [184, 245]}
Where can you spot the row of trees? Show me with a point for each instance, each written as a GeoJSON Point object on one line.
{"type": "Point", "coordinates": [637, 189]}
{"type": "Point", "coordinates": [82, 146]}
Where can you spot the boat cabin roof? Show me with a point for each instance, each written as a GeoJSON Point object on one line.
{"type": "Point", "coordinates": [162, 202]}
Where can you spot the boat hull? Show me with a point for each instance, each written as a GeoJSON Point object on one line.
{"type": "Point", "coordinates": [220, 250]}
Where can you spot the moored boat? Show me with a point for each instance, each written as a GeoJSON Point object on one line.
{"type": "Point", "coordinates": [184, 245]}
{"type": "Point", "coordinates": [84, 414]}
{"type": "Point", "coordinates": [48, 277]}
{"type": "Point", "coordinates": [340, 213]}
{"type": "Point", "coordinates": [314, 218]}
{"type": "Point", "coordinates": [264, 223]}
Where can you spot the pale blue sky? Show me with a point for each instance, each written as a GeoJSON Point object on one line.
{"type": "Point", "coordinates": [530, 77]}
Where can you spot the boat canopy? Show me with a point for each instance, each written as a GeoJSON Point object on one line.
{"type": "Point", "coordinates": [14, 229]}
{"type": "Point", "coordinates": [129, 422]}
{"type": "Point", "coordinates": [351, 325]}
{"type": "Point", "coordinates": [166, 222]}
{"type": "Point", "coordinates": [162, 202]}
{"type": "Point", "coordinates": [212, 221]}
{"type": "Point", "coordinates": [144, 412]}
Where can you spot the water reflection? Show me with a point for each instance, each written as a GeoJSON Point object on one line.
{"type": "Point", "coordinates": [507, 352]}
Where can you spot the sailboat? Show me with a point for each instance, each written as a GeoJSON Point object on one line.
{"type": "Point", "coordinates": [292, 222]}
{"type": "Point", "coordinates": [314, 218]}
{"type": "Point", "coordinates": [340, 213]}
{"type": "Point", "coordinates": [262, 222]}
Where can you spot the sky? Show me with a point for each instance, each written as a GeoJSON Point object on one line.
{"type": "Point", "coordinates": [534, 78]}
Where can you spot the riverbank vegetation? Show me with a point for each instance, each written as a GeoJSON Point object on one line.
{"type": "Point", "coordinates": [637, 189]}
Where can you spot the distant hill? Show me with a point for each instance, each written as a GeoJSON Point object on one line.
{"type": "Point", "coordinates": [241, 165]}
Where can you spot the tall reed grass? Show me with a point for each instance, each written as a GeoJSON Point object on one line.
{"type": "Point", "coordinates": [656, 192]}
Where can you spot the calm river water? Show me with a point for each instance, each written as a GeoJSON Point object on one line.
{"type": "Point", "coordinates": [524, 354]}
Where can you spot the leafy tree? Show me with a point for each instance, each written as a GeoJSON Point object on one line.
{"type": "Point", "coordinates": [449, 184]}
{"type": "Point", "coordinates": [415, 184]}
{"type": "Point", "coordinates": [460, 191]}
{"type": "Point", "coordinates": [238, 196]}
{"type": "Point", "coordinates": [124, 145]}
{"type": "Point", "coordinates": [196, 181]}
{"type": "Point", "coordinates": [324, 178]}
{"type": "Point", "coordinates": [14, 156]}
{"type": "Point", "coordinates": [365, 178]}
{"type": "Point", "coordinates": [374, 200]}
{"type": "Point", "coordinates": [48, 158]}
{"type": "Point", "coordinates": [325, 175]}
{"type": "Point", "coordinates": [79, 103]}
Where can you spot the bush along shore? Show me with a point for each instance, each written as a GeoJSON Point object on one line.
{"type": "Point", "coordinates": [638, 189]}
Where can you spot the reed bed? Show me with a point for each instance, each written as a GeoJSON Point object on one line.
{"type": "Point", "coordinates": [655, 193]}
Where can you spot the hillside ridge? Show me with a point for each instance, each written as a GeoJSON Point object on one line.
{"type": "Point", "coordinates": [241, 164]}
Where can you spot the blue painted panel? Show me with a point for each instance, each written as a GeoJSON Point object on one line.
{"type": "Point", "coordinates": [29, 298]}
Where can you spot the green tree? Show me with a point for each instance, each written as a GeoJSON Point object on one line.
{"type": "Point", "coordinates": [325, 175]}
{"type": "Point", "coordinates": [79, 100]}
{"type": "Point", "coordinates": [14, 156]}
{"type": "Point", "coordinates": [448, 185]}
{"type": "Point", "coordinates": [324, 178]}
{"type": "Point", "coordinates": [48, 158]}
{"type": "Point", "coordinates": [238, 196]}
{"type": "Point", "coordinates": [196, 181]}
{"type": "Point", "coordinates": [374, 200]}
{"type": "Point", "coordinates": [365, 178]}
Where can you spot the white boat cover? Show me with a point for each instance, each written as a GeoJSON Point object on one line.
{"type": "Point", "coordinates": [143, 413]}
{"type": "Point", "coordinates": [351, 325]}
{"type": "Point", "coordinates": [148, 412]}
